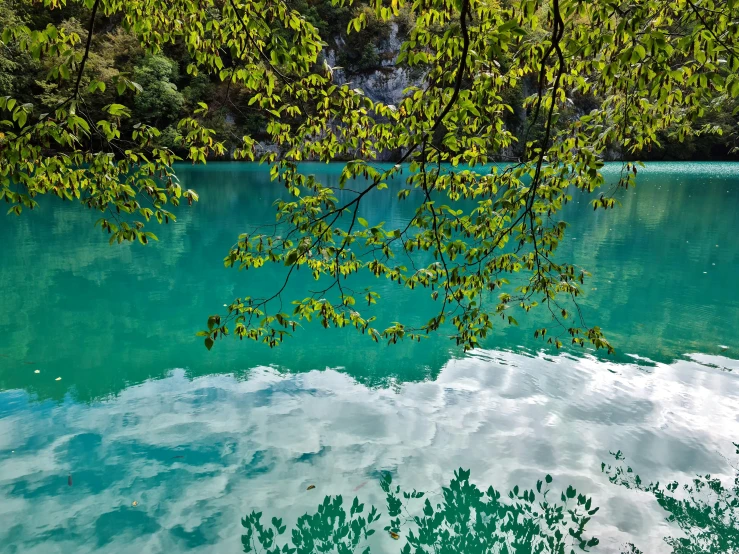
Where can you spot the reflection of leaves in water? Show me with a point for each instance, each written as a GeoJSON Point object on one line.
{"type": "Point", "coordinates": [706, 510]}
{"type": "Point", "coordinates": [465, 520]}
{"type": "Point", "coordinates": [328, 530]}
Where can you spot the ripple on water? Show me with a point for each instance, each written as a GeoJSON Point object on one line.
{"type": "Point", "coordinates": [195, 467]}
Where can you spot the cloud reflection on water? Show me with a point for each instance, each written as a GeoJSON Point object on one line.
{"type": "Point", "coordinates": [198, 454]}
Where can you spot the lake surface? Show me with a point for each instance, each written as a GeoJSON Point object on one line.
{"type": "Point", "coordinates": [143, 413]}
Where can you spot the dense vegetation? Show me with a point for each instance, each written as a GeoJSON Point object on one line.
{"type": "Point", "coordinates": [169, 93]}
{"type": "Point", "coordinates": [103, 96]}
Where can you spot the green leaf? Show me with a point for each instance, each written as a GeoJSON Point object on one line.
{"type": "Point", "coordinates": [291, 257]}
{"type": "Point", "coordinates": [96, 85]}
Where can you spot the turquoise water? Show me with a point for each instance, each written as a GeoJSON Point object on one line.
{"type": "Point", "coordinates": [144, 413]}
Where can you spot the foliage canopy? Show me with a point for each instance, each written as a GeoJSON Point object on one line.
{"type": "Point", "coordinates": [482, 242]}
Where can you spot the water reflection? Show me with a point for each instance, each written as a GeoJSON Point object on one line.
{"type": "Point", "coordinates": [196, 455]}
{"type": "Point", "coordinates": [244, 427]}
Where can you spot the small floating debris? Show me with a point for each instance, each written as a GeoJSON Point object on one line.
{"type": "Point", "coordinates": [176, 457]}
{"type": "Point", "coordinates": [58, 379]}
{"type": "Point", "coordinates": [310, 487]}
{"type": "Point", "coordinates": [37, 371]}
{"type": "Point", "coordinates": [29, 363]}
{"type": "Point", "coordinates": [394, 535]}
{"type": "Point", "coordinates": [69, 479]}
{"type": "Point", "coordinates": [134, 503]}
{"type": "Point", "coordinates": [723, 347]}
{"type": "Point", "coordinates": [360, 486]}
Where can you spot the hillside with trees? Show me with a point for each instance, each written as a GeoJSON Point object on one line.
{"type": "Point", "coordinates": [368, 57]}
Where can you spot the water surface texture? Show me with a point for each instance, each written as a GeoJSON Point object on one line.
{"type": "Point", "coordinates": [143, 413]}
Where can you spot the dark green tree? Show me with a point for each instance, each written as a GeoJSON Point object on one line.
{"type": "Point", "coordinates": [159, 102]}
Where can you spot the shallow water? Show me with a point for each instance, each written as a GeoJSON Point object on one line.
{"type": "Point", "coordinates": [144, 413]}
